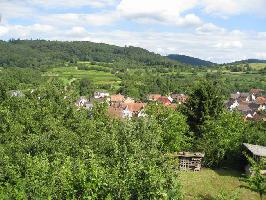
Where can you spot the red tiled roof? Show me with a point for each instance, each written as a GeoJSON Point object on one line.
{"type": "Point", "coordinates": [153, 97]}
{"type": "Point", "coordinates": [261, 100]}
{"type": "Point", "coordinates": [117, 98]}
{"type": "Point", "coordinates": [164, 100]}
{"type": "Point", "coordinates": [134, 107]}
{"type": "Point", "coordinates": [255, 91]}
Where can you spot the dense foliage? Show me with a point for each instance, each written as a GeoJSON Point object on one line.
{"type": "Point", "coordinates": [204, 103]}
{"type": "Point", "coordinates": [190, 60]}
{"type": "Point", "coordinates": [49, 150]}
{"type": "Point", "coordinates": [36, 53]}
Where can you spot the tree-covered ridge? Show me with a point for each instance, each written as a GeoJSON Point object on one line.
{"type": "Point", "coordinates": [190, 60]}
{"type": "Point", "coordinates": [248, 61]}
{"type": "Point", "coordinates": [36, 53]}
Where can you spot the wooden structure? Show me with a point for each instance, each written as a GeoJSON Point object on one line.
{"type": "Point", "coordinates": [190, 161]}
{"type": "Point", "coordinates": [258, 153]}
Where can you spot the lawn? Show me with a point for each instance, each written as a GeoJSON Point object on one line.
{"type": "Point", "coordinates": [207, 184]}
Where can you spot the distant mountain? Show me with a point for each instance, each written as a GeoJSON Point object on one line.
{"type": "Point", "coordinates": [190, 60]}
{"type": "Point", "coordinates": [249, 61]}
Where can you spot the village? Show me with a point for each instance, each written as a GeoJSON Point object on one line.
{"type": "Point", "coordinates": [252, 104]}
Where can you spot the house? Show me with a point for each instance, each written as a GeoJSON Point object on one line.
{"type": "Point", "coordinates": [84, 102]}
{"type": "Point", "coordinates": [114, 99]}
{"type": "Point", "coordinates": [164, 100]}
{"type": "Point", "coordinates": [235, 96]}
{"type": "Point", "coordinates": [81, 102]}
{"type": "Point", "coordinates": [127, 110]}
{"type": "Point", "coordinates": [179, 98]}
{"type": "Point", "coordinates": [244, 96]}
{"type": "Point", "coordinates": [170, 99]}
{"type": "Point", "coordinates": [257, 152]}
{"type": "Point", "coordinates": [247, 108]}
{"type": "Point", "coordinates": [256, 92]}
{"type": "Point", "coordinates": [261, 101]}
{"type": "Point", "coordinates": [133, 110]}
{"type": "Point", "coordinates": [16, 93]}
{"type": "Point", "coordinates": [129, 100]}
{"type": "Point", "coordinates": [153, 97]}
{"type": "Point", "coordinates": [257, 117]}
{"type": "Point", "coordinates": [232, 104]}
{"type": "Point", "coordinates": [98, 95]}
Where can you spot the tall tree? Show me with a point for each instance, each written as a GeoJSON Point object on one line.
{"type": "Point", "coordinates": [205, 102]}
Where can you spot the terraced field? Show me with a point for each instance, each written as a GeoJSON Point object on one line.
{"type": "Point", "coordinates": [99, 78]}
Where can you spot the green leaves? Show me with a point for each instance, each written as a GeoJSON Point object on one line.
{"type": "Point", "coordinates": [50, 150]}
{"type": "Point", "coordinates": [256, 181]}
{"type": "Point", "coordinates": [205, 102]}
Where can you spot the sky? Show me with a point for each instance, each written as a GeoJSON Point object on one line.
{"type": "Point", "coordinates": [215, 30]}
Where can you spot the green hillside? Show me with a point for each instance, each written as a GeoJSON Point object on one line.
{"type": "Point", "coordinates": [190, 60]}
{"type": "Point", "coordinates": [36, 53]}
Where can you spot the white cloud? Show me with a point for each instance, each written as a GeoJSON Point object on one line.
{"type": "Point", "coordinates": [73, 3]}
{"type": "Point", "coordinates": [15, 9]}
{"type": "Point", "coordinates": [261, 55]}
{"type": "Point", "coordinates": [26, 32]}
{"type": "Point", "coordinates": [209, 28]}
{"type": "Point", "coordinates": [159, 11]}
{"type": "Point", "coordinates": [226, 8]}
{"type": "Point", "coordinates": [71, 19]}
{"type": "Point", "coordinates": [229, 44]}
{"type": "Point", "coordinates": [3, 30]}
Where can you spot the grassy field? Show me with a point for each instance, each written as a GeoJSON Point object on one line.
{"type": "Point", "coordinates": [208, 184]}
{"type": "Point", "coordinates": [258, 66]}
{"type": "Point", "coordinates": [255, 66]}
{"type": "Point", "coordinates": [68, 74]}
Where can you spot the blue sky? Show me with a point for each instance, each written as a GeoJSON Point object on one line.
{"type": "Point", "coordinates": [215, 30]}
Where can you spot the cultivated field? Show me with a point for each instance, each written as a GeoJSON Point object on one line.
{"type": "Point", "coordinates": [99, 78]}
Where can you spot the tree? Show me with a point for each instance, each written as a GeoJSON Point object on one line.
{"type": "Point", "coordinates": [86, 87]}
{"type": "Point", "coordinates": [222, 139]}
{"type": "Point", "coordinates": [205, 102]}
{"type": "Point", "coordinates": [175, 131]}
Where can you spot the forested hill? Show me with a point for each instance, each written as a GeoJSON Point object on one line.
{"type": "Point", "coordinates": [35, 53]}
{"type": "Point", "coordinates": [190, 60]}
{"type": "Point", "coordinates": [249, 61]}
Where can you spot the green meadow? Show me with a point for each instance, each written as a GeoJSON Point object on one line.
{"type": "Point", "coordinates": [209, 184]}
